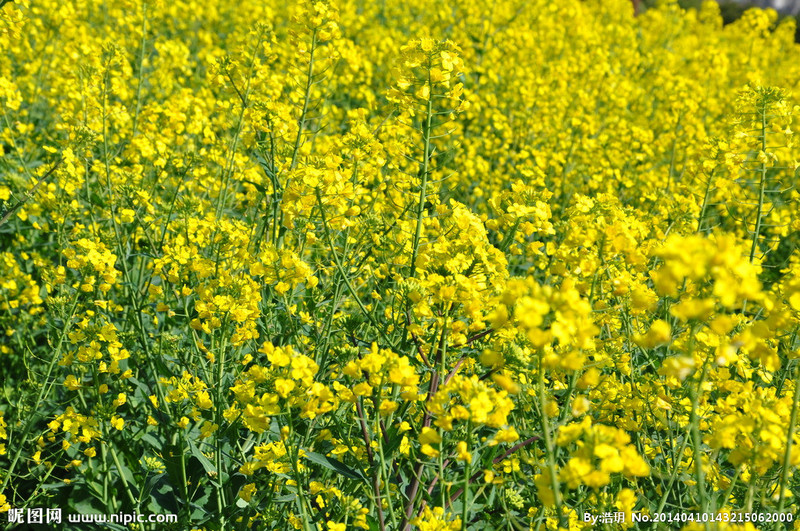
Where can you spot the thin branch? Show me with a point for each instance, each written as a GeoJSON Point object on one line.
{"type": "Point", "coordinates": [496, 460]}
{"type": "Point", "coordinates": [42, 179]}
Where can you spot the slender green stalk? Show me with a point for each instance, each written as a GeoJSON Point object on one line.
{"type": "Point", "coordinates": [385, 480]}
{"type": "Point", "coordinates": [141, 70]}
{"type": "Point", "coordinates": [106, 442]}
{"type": "Point", "coordinates": [43, 392]}
{"type": "Point", "coordinates": [301, 123]}
{"type": "Point", "coordinates": [676, 465]}
{"type": "Point", "coordinates": [245, 104]}
{"type": "Point", "coordinates": [467, 476]}
{"type": "Point", "coordinates": [376, 482]}
{"type": "Point", "coordinates": [346, 280]}
{"type": "Point", "coordinates": [294, 453]}
{"type": "Point", "coordinates": [787, 456]}
{"type": "Point", "coordinates": [694, 422]}
{"type": "Point", "coordinates": [762, 185]}
{"type": "Point", "coordinates": [704, 207]}
{"type": "Point", "coordinates": [121, 254]}
{"type": "Point", "coordinates": [218, 407]}
{"type": "Point", "coordinates": [423, 187]}
{"type": "Point", "coordinates": [548, 442]}
{"type": "Point", "coordinates": [8, 213]}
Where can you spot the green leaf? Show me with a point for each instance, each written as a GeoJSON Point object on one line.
{"type": "Point", "coordinates": [261, 188]}
{"type": "Point", "coordinates": [53, 486]}
{"type": "Point", "coordinates": [151, 440]}
{"type": "Point", "coordinates": [208, 466]}
{"type": "Point", "coordinates": [335, 465]}
{"type": "Point", "coordinates": [395, 439]}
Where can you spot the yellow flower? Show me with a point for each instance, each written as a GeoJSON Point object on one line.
{"type": "Point", "coordinates": [362, 389]}
{"type": "Point", "coordinates": [659, 333]}
{"type": "Point", "coordinates": [388, 407]}
{"type": "Point", "coordinates": [429, 436]}
{"type": "Point", "coordinates": [117, 422]}
{"type": "Point", "coordinates": [72, 383]}
{"type": "Point", "coordinates": [462, 452]}
{"type": "Point", "coordinates": [679, 367]}
{"type": "Point", "coordinates": [284, 386]}
{"type": "Point", "coordinates": [246, 492]}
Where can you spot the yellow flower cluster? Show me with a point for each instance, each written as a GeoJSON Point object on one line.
{"type": "Point", "coordinates": [470, 400]}
{"type": "Point", "coordinates": [288, 382]}
{"type": "Point", "coordinates": [599, 452]}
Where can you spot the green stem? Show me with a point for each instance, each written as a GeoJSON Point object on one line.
{"type": "Point", "coordinates": [789, 443]}
{"type": "Point", "coordinates": [385, 479]}
{"type": "Point", "coordinates": [219, 406]}
{"type": "Point", "coordinates": [548, 442]}
{"type": "Point", "coordinates": [467, 473]}
{"type": "Point", "coordinates": [301, 123]}
{"type": "Point", "coordinates": [694, 421]}
{"type": "Point", "coordinates": [423, 187]}
{"type": "Point", "coordinates": [704, 207]}
{"type": "Point", "coordinates": [294, 453]}
{"type": "Point", "coordinates": [346, 280]}
{"type": "Point", "coordinates": [43, 391]}
{"type": "Point", "coordinates": [376, 482]}
{"type": "Point", "coordinates": [762, 185]}
{"type": "Point", "coordinates": [141, 69]}
{"type": "Point", "coordinates": [245, 100]}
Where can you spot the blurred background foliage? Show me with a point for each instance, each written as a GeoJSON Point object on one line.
{"type": "Point", "coordinates": [732, 10]}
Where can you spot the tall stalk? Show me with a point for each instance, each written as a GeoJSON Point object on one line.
{"type": "Point", "coordinates": [762, 185]}
{"type": "Point", "coordinates": [787, 456]}
{"type": "Point", "coordinates": [423, 187]}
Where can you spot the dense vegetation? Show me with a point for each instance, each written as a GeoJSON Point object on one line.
{"type": "Point", "coordinates": [472, 264]}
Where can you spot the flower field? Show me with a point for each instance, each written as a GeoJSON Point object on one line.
{"type": "Point", "coordinates": [392, 265]}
